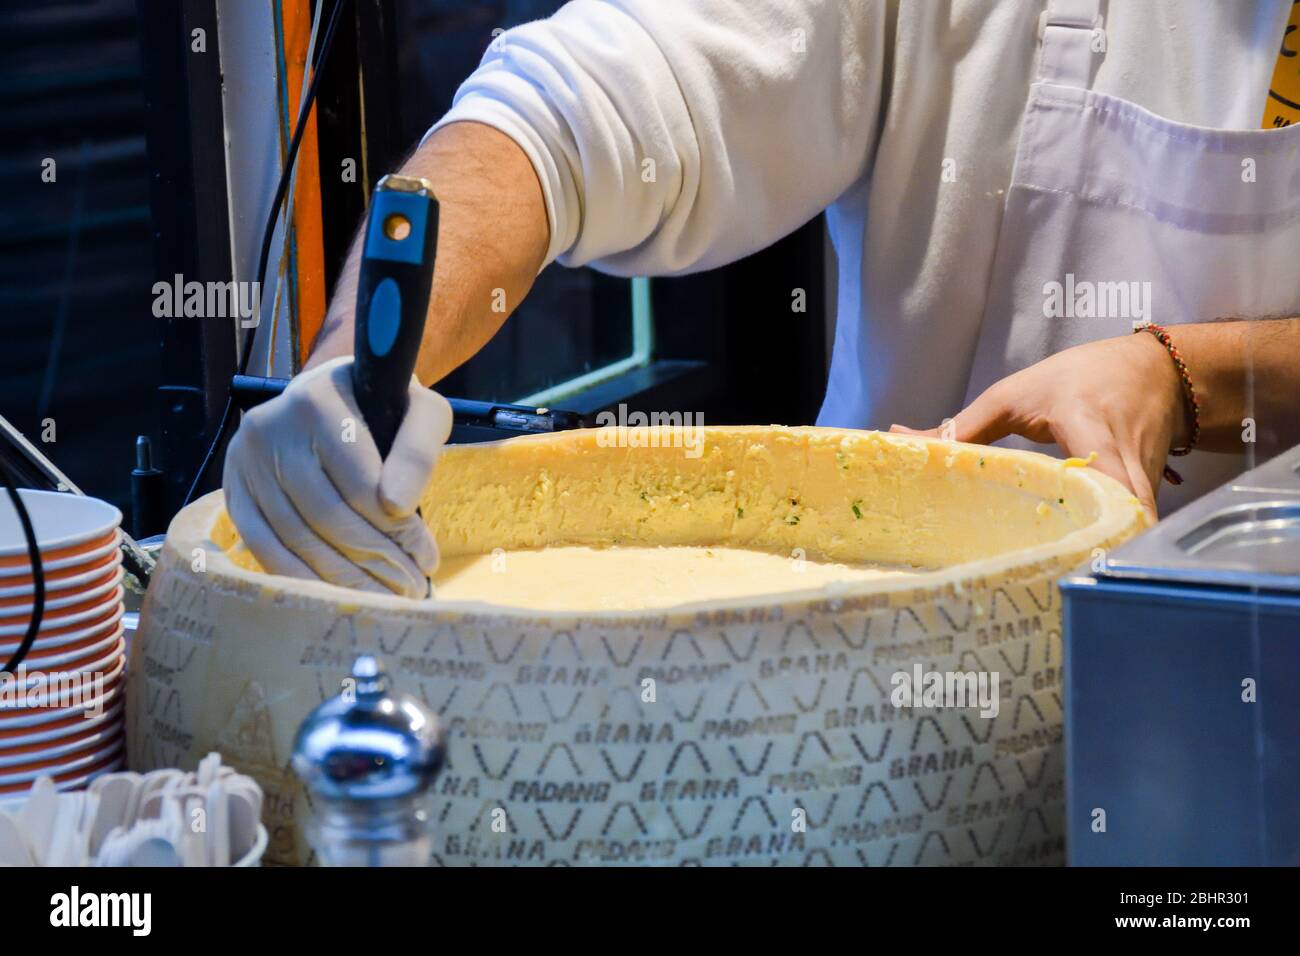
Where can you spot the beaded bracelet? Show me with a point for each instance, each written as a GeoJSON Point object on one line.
{"type": "Point", "coordinates": [1189, 395]}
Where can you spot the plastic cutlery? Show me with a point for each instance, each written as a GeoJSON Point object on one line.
{"type": "Point", "coordinates": [153, 851]}
{"type": "Point", "coordinates": [14, 850]}
{"type": "Point", "coordinates": [129, 819]}
{"type": "Point", "coordinates": [36, 818]}
{"type": "Point", "coordinates": [67, 842]}
{"type": "Point", "coordinates": [193, 847]}
{"type": "Point", "coordinates": [245, 816]}
{"type": "Point", "coordinates": [218, 826]}
{"type": "Point", "coordinates": [116, 796]}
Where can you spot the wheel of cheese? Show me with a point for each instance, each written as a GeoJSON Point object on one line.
{"type": "Point", "coordinates": [757, 729]}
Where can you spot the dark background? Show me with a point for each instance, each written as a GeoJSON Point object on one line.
{"type": "Point", "coordinates": [78, 341]}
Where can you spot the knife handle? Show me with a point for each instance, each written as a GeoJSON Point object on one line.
{"type": "Point", "coordinates": [393, 289]}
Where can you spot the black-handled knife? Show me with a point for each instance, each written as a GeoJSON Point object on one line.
{"type": "Point", "coordinates": [396, 279]}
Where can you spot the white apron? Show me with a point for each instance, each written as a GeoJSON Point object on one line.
{"type": "Point", "coordinates": [1147, 218]}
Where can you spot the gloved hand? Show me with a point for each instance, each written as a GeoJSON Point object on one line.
{"type": "Point", "coordinates": [311, 498]}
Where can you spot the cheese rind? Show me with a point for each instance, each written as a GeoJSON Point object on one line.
{"type": "Point", "coordinates": [679, 734]}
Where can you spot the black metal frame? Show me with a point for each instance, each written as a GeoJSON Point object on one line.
{"type": "Point", "coordinates": [185, 132]}
{"type": "Point", "coordinates": [357, 91]}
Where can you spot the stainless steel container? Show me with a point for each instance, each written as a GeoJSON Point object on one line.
{"type": "Point", "coordinates": [1182, 656]}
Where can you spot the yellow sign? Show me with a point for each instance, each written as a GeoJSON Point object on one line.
{"type": "Point", "coordinates": [1283, 106]}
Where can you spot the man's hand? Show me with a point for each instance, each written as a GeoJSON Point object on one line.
{"type": "Point", "coordinates": [311, 498]}
{"type": "Point", "coordinates": [1120, 398]}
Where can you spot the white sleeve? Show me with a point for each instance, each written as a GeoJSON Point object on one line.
{"type": "Point", "coordinates": [674, 135]}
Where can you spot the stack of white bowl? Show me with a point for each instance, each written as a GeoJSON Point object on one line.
{"type": "Point", "coordinates": [61, 712]}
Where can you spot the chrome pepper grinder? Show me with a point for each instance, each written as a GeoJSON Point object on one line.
{"type": "Point", "coordinates": [369, 758]}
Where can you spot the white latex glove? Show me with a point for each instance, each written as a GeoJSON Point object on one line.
{"type": "Point", "coordinates": [311, 498]}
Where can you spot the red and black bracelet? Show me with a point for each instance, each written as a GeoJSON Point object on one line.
{"type": "Point", "coordinates": [1189, 395]}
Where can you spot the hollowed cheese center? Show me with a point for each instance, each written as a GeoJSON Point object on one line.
{"type": "Point", "coordinates": [635, 578]}
{"type": "Point", "coordinates": [592, 519]}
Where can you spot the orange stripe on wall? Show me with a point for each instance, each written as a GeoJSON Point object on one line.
{"type": "Point", "coordinates": [308, 240]}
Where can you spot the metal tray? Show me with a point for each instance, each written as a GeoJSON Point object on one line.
{"type": "Point", "coordinates": [1243, 535]}
{"type": "Point", "coordinates": [1281, 474]}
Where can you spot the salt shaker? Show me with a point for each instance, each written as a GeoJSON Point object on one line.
{"type": "Point", "coordinates": [369, 758]}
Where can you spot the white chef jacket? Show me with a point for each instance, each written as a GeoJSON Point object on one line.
{"type": "Point", "coordinates": [677, 135]}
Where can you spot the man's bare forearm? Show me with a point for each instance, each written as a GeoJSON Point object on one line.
{"type": "Point", "coordinates": [1244, 369]}
{"type": "Point", "coordinates": [492, 239]}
